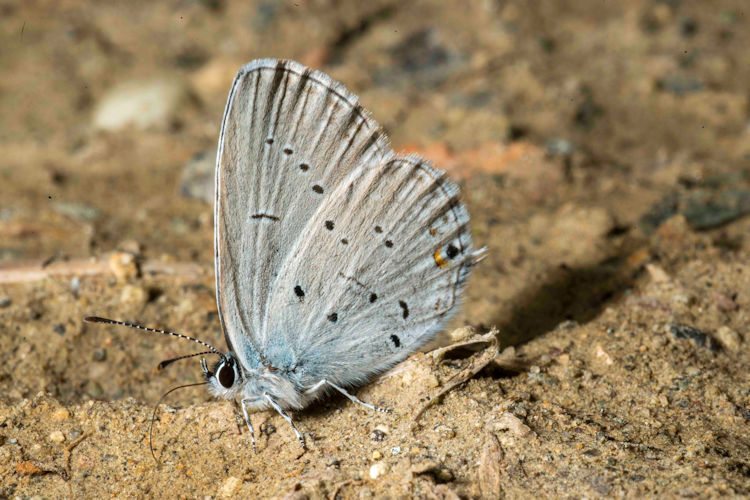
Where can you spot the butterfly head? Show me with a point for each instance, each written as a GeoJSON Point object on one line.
{"type": "Point", "coordinates": [226, 377]}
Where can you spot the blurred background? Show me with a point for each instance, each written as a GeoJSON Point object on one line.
{"type": "Point", "coordinates": [591, 140]}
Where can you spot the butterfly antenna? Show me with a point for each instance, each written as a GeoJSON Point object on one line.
{"type": "Point", "coordinates": [168, 362]}
{"type": "Point", "coordinates": [97, 319]}
{"type": "Point", "coordinates": [153, 416]}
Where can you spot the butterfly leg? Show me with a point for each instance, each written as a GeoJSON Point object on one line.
{"type": "Point", "coordinates": [249, 424]}
{"type": "Point", "coordinates": [287, 418]}
{"type": "Point", "coordinates": [343, 391]}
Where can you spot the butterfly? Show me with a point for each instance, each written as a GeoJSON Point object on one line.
{"type": "Point", "coordinates": [335, 257]}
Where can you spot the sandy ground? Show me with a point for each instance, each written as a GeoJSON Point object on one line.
{"type": "Point", "coordinates": [603, 149]}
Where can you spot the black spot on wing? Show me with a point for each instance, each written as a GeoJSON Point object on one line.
{"type": "Point", "coordinates": [333, 317]}
{"type": "Point", "coordinates": [451, 251]}
{"type": "Point", "coordinates": [396, 341]}
{"type": "Point", "coordinates": [404, 309]}
{"type": "Point", "coordinates": [264, 216]}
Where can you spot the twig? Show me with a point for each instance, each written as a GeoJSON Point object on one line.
{"type": "Point", "coordinates": [68, 452]}
{"type": "Point", "coordinates": [463, 377]}
{"type": "Point", "coordinates": [355, 482]}
{"type": "Point", "coordinates": [26, 272]}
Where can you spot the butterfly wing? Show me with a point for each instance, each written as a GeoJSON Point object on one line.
{"type": "Point", "coordinates": [289, 136]}
{"type": "Point", "coordinates": [379, 270]}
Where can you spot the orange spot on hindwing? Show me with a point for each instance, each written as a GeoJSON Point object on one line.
{"type": "Point", "coordinates": [439, 259]}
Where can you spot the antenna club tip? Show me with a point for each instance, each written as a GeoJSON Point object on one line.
{"type": "Point", "coordinates": [95, 319]}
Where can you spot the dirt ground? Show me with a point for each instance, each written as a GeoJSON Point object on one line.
{"type": "Point", "coordinates": [603, 150]}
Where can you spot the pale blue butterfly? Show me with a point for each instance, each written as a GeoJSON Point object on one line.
{"type": "Point", "coordinates": [335, 257]}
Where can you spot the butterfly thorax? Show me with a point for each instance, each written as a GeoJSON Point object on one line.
{"type": "Point", "coordinates": [254, 385]}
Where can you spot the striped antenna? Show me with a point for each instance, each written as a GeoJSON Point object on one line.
{"type": "Point", "coordinates": [97, 319]}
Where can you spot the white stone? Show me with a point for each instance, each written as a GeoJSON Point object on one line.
{"type": "Point", "coordinates": [378, 469]}
{"type": "Point", "coordinates": [230, 487]}
{"type": "Point", "coordinates": [57, 437]}
{"type": "Point", "coordinates": [142, 104]}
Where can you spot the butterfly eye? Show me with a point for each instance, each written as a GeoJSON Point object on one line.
{"type": "Point", "coordinates": [225, 374]}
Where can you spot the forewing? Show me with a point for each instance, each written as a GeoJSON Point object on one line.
{"type": "Point", "coordinates": [380, 268]}
{"type": "Point", "coordinates": [288, 137]}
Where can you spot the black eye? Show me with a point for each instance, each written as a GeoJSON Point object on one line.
{"type": "Point", "coordinates": [225, 375]}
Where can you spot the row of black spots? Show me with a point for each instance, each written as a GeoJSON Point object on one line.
{"type": "Point", "coordinates": [289, 151]}
{"type": "Point", "coordinates": [396, 341]}
{"type": "Point", "coordinates": [299, 292]}
{"type": "Point", "coordinates": [333, 317]}
{"type": "Point", "coordinates": [329, 225]}
{"type": "Point", "coordinates": [304, 166]}
{"type": "Point", "coordinates": [379, 230]}
{"type": "Point", "coordinates": [317, 188]}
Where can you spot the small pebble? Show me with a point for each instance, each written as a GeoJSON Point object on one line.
{"type": "Point", "coordinates": [376, 455]}
{"type": "Point", "coordinates": [123, 266]}
{"type": "Point", "coordinates": [75, 434]}
{"type": "Point", "coordinates": [377, 435]}
{"type": "Point", "coordinates": [729, 338]}
{"type": "Point", "coordinates": [59, 329]}
{"type": "Point", "coordinates": [144, 104]}
{"type": "Point", "coordinates": [57, 436]}
{"type": "Point", "coordinates": [445, 432]}
{"type": "Point", "coordinates": [378, 469]}
{"type": "Point", "coordinates": [395, 450]}
{"type": "Point", "coordinates": [697, 337]}
{"type": "Point", "coordinates": [60, 414]}
{"type": "Point", "coordinates": [100, 354]}
{"type": "Point", "coordinates": [509, 422]}
{"type": "Point", "coordinates": [461, 334]}
{"type": "Point", "coordinates": [230, 487]}
{"type": "Point", "coordinates": [4, 301]}
{"type": "Point", "coordinates": [133, 295]}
